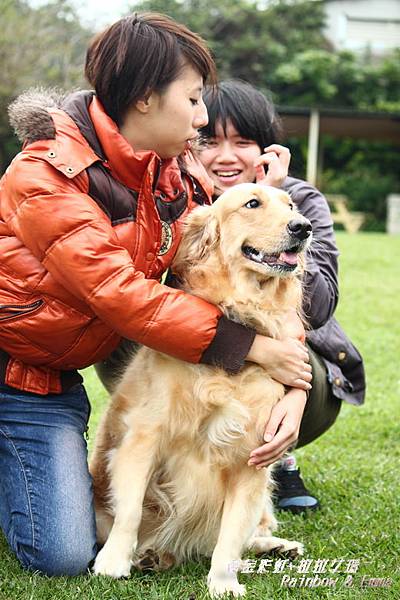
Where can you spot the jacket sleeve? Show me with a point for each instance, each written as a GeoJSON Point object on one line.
{"type": "Point", "coordinates": [75, 242]}
{"type": "Point", "coordinates": [321, 292]}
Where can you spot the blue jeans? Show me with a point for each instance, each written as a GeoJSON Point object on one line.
{"type": "Point", "coordinates": [46, 499]}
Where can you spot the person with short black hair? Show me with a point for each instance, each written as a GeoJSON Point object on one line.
{"type": "Point", "coordinates": [238, 147]}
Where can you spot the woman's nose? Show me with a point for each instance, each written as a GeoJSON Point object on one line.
{"type": "Point", "coordinates": [201, 118]}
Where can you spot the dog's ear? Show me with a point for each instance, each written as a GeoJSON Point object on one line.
{"type": "Point", "coordinates": [200, 236]}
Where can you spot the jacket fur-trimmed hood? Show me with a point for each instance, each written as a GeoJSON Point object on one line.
{"type": "Point", "coordinates": [29, 114]}
{"type": "Point", "coordinates": [30, 117]}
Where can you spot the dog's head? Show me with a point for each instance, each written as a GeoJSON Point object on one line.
{"type": "Point", "coordinates": [251, 228]}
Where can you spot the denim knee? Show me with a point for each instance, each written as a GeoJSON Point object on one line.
{"type": "Point", "coordinates": [46, 497]}
{"type": "Point", "coordinates": [69, 561]}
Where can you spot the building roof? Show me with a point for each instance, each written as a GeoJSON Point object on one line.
{"type": "Point", "coordinates": [377, 126]}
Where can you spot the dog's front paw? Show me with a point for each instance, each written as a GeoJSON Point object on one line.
{"type": "Point", "coordinates": [276, 546]}
{"type": "Point", "coordinates": [218, 586]}
{"type": "Point", "coordinates": [111, 563]}
{"type": "Point", "coordinates": [289, 549]}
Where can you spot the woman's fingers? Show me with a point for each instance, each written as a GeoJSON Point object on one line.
{"type": "Point", "coordinates": [302, 384]}
{"type": "Point", "coordinates": [306, 374]}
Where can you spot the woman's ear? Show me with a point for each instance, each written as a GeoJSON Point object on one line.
{"type": "Point", "coordinates": [200, 236]}
{"type": "Point", "coordinates": [143, 105]}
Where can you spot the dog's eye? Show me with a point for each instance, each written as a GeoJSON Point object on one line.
{"type": "Point", "coordinates": [291, 205]}
{"type": "Point", "coordinates": [253, 203]}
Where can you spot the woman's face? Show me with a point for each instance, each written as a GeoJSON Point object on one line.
{"type": "Point", "coordinates": [229, 158]}
{"type": "Point", "coordinates": [166, 123]}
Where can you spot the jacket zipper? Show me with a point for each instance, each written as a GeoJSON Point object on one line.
{"type": "Point", "coordinates": [156, 176]}
{"type": "Point", "coordinates": [19, 309]}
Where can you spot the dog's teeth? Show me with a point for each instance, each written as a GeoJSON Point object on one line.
{"type": "Point", "coordinates": [256, 254]}
{"type": "Point", "coordinates": [269, 258]}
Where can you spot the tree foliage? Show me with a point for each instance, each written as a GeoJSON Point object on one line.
{"type": "Point", "coordinates": [323, 78]}
{"type": "Point", "coordinates": [249, 41]}
{"type": "Point", "coordinates": [278, 45]}
{"type": "Point", "coordinates": [38, 47]}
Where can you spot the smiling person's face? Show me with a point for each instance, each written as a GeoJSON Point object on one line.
{"type": "Point", "coordinates": [229, 158]}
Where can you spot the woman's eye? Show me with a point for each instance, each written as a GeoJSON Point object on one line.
{"type": "Point", "coordinates": [194, 101]}
{"type": "Point", "coordinates": [253, 203]}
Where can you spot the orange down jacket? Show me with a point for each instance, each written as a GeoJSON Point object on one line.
{"type": "Point", "coordinates": [87, 228]}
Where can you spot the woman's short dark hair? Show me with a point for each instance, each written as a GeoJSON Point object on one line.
{"type": "Point", "coordinates": [139, 54]}
{"type": "Point", "coordinates": [252, 114]}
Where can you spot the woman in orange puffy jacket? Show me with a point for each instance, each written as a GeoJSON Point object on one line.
{"type": "Point", "coordinates": [90, 218]}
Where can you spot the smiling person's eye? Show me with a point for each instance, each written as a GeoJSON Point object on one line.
{"type": "Point", "coordinates": [208, 142]}
{"type": "Point", "coordinates": [253, 203]}
{"type": "Point", "coordinates": [194, 101]}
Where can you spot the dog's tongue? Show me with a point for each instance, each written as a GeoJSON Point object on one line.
{"type": "Point", "coordinates": [290, 258]}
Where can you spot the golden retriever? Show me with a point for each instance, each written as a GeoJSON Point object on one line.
{"type": "Point", "coordinates": [169, 468]}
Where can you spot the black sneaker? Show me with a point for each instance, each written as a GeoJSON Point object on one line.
{"type": "Point", "coordinates": [290, 492]}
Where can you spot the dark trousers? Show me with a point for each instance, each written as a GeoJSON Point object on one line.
{"type": "Point", "coordinates": [322, 406]}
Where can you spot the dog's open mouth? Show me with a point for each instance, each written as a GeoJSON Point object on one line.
{"type": "Point", "coordinates": [286, 260]}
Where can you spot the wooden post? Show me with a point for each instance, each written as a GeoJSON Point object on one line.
{"type": "Point", "coordinates": [312, 152]}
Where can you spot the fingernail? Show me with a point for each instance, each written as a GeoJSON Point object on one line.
{"type": "Point", "coordinates": [268, 437]}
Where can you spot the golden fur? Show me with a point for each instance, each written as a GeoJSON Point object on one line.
{"type": "Point", "coordinates": [170, 469]}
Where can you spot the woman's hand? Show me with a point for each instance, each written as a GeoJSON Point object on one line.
{"type": "Point", "coordinates": [282, 429]}
{"type": "Point", "coordinates": [286, 361]}
{"type": "Point", "coordinates": [277, 158]}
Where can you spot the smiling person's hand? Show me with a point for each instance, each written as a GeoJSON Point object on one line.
{"type": "Point", "coordinates": [277, 158]}
{"type": "Point", "coordinates": [282, 429]}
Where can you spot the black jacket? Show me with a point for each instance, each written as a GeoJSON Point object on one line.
{"type": "Point", "coordinates": [343, 361]}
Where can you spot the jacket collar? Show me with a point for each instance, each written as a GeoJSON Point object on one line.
{"type": "Point", "coordinates": [105, 143]}
{"type": "Point", "coordinates": [127, 166]}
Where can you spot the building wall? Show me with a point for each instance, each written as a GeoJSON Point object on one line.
{"type": "Point", "coordinates": [360, 24]}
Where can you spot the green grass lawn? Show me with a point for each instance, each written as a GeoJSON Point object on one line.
{"type": "Point", "coordinates": [353, 468]}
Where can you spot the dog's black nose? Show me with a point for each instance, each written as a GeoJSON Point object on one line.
{"type": "Point", "coordinates": [299, 229]}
